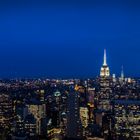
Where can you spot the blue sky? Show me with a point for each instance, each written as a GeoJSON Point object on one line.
{"type": "Point", "coordinates": [67, 38]}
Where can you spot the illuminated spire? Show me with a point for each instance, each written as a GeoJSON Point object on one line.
{"type": "Point", "coordinates": [105, 63]}
{"type": "Point", "coordinates": [122, 73]}
{"type": "Point", "coordinates": [105, 71]}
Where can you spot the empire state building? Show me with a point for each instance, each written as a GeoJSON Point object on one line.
{"type": "Point", "coordinates": [105, 71]}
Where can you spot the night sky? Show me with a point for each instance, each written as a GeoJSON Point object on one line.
{"type": "Point", "coordinates": [66, 39]}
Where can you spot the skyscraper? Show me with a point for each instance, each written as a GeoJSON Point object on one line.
{"type": "Point", "coordinates": [6, 113]}
{"type": "Point", "coordinates": [105, 71]}
{"type": "Point", "coordinates": [105, 90]}
{"type": "Point", "coordinates": [74, 127]}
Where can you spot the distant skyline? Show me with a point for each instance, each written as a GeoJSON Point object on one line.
{"type": "Point", "coordinates": [67, 38]}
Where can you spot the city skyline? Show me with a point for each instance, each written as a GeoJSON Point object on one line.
{"type": "Point", "coordinates": [69, 70]}
{"type": "Point", "coordinates": [104, 64]}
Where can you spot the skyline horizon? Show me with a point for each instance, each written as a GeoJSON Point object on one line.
{"type": "Point", "coordinates": [104, 63]}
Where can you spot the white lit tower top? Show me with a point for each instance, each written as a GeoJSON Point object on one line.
{"type": "Point", "coordinates": [105, 71]}
{"type": "Point", "coordinates": [105, 61]}
{"type": "Point", "coordinates": [122, 73]}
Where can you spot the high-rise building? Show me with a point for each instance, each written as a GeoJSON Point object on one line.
{"type": "Point", "coordinates": [105, 91]}
{"type": "Point", "coordinates": [30, 125]}
{"type": "Point", "coordinates": [105, 71]}
{"type": "Point", "coordinates": [74, 127]}
{"type": "Point", "coordinates": [19, 132]}
{"type": "Point", "coordinates": [6, 113]}
{"type": "Point", "coordinates": [122, 78]}
{"type": "Point", "coordinates": [38, 110]}
{"type": "Point", "coordinates": [84, 116]}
